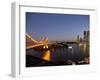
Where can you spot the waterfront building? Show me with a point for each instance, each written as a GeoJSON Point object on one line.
{"type": "Point", "coordinates": [86, 36]}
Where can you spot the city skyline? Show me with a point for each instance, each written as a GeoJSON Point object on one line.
{"type": "Point", "coordinates": [56, 26]}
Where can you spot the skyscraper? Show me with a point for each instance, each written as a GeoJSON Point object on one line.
{"type": "Point", "coordinates": [86, 36]}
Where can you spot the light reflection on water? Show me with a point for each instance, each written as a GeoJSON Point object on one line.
{"type": "Point", "coordinates": [60, 54]}
{"type": "Point", "coordinates": [85, 48]}
{"type": "Point", "coordinates": [47, 55]}
{"type": "Point", "coordinates": [75, 54]}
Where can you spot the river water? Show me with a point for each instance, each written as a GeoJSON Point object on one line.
{"type": "Point", "coordinates": [74, 53]}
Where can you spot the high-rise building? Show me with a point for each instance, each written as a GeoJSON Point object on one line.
{"type": "Point", "coordinates": [86, 36]}
{"type": "Point", "coordinates": [78, 38]}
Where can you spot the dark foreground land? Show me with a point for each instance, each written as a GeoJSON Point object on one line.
{"type": "Point", "coordinates": [37, 62]}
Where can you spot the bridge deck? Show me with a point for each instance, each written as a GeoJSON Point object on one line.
{"type": "Point", "coordinates": [32, 46]}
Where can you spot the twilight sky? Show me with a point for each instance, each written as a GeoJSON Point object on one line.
{"type": "Point", "coordinates": [56, 26]}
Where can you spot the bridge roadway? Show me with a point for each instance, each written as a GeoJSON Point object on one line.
{"type": "Point", "coordinates": [43, 44]}
{"type": "Point", "coordinates": [33, 46]}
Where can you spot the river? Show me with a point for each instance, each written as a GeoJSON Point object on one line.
{"type": "Point", "coordinates": [59, 55]}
